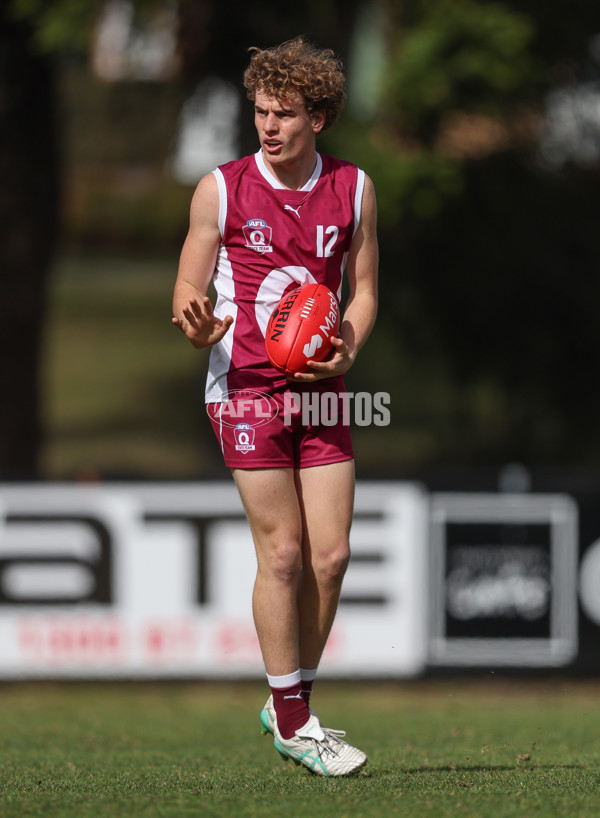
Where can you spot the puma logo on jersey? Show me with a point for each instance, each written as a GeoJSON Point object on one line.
{"type": "Point", "coordinates": [293, 209]}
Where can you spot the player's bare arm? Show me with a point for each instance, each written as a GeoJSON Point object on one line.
{"type": "Point", "coordinates": [192, 310]}
{"type": "Point", "coordinates": [361, 308]}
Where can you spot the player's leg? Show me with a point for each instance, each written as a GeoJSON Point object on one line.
{"type": "Point", "coordinates": [276, 520]}
{"type": "Point", "coordinates": [326, 495]}
{"type": "Point", "coordinates": [271, 505]}
{"type": "Point", "coordinates": [273, 512]}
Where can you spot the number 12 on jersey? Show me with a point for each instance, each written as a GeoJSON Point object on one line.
{"type": "Point", "coordinates": [326, 250]}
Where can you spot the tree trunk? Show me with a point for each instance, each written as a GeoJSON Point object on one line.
{"type": "Point", "coordinates": [29, 206]}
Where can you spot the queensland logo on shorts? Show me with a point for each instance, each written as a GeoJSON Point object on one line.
{"type": "Point", "coordinates": [244, 438]}
{"type": "Point", "coordinates": [258, 235]}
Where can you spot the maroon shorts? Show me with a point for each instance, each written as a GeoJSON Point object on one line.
{"type": "Point", "coordinates": [294, 426]}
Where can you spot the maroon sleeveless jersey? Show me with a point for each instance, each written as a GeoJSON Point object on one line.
{"type": "Point", "coordinates": [273, 240]}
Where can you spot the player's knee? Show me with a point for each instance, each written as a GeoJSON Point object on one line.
{"type": "Point", "coordinates": [333, 563]}
{"type": "Point", "coordinates": [283, 561]}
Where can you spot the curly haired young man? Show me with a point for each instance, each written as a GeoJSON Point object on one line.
{"type": "Point", "coordinates": [259, 227]}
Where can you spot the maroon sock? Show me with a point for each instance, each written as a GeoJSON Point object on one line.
{"type": "Point", "coordinates": [292, 710]}
{"type": "Point", "coordinates": [306, 691]}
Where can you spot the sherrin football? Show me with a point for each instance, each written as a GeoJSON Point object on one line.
{"type": "Point", "coordinates": [300, 328]}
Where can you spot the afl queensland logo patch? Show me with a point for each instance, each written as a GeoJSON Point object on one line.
{"type": "Point", "coordinates": [244, 438]}
{"type": "Point", "coordinates": [258, 235]}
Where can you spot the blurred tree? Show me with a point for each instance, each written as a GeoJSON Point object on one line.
{"type": "Point", "coordinates": [29, 201]}
{"type": "Point", "coordinates": [30, 158]}
{"type": "Point", "coordinates": [494, 250]}
{"type": "Point", "coordinates": [456, 56]}
{"type": "Point", "coordinates": [458, 76]}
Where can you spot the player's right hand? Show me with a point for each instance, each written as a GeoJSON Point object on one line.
{"type": "Point", "coordinates": [200, 325]}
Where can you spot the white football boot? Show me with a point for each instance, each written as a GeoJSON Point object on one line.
{"type": "Point", "coordinates": [320, 749]}
{"type": "Point", "coordinates": [268, 718]}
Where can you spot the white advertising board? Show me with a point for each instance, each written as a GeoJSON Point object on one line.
{"type": "Point", "coordinates": [155, 581]}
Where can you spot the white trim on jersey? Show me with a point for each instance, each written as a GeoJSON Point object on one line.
{"type": "Point", "coordinates": [360, 186]}
{"type": "Point", "coordinates": [222, 199]}
{"type": "Point", "coordinates": [220, 354]}
{"type": "Point", "coordinates": [342, 272]}
{"type": "Point", "coordinates": [276, 184]}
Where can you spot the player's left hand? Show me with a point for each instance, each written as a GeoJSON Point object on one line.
{"type": "Point", "coordinates": [339, 363]}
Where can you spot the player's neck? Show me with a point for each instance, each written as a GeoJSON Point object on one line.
{"type": "Point", "coordinates": [294, 174]}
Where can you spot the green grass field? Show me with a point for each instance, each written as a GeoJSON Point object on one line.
{"type": "Point", "coordinates": [453, 748]}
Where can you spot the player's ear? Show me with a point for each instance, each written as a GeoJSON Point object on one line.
{"type": "Point", "coordinates": [318, 121]}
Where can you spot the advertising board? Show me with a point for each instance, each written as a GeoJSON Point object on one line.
{"type": "Point", "coordinates": [503, 580]}
{"type": "Point", "coordinates": [155, 580]}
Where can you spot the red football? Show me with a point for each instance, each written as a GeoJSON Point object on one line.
{"type": "Point", "coordinates": [300, 328]}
